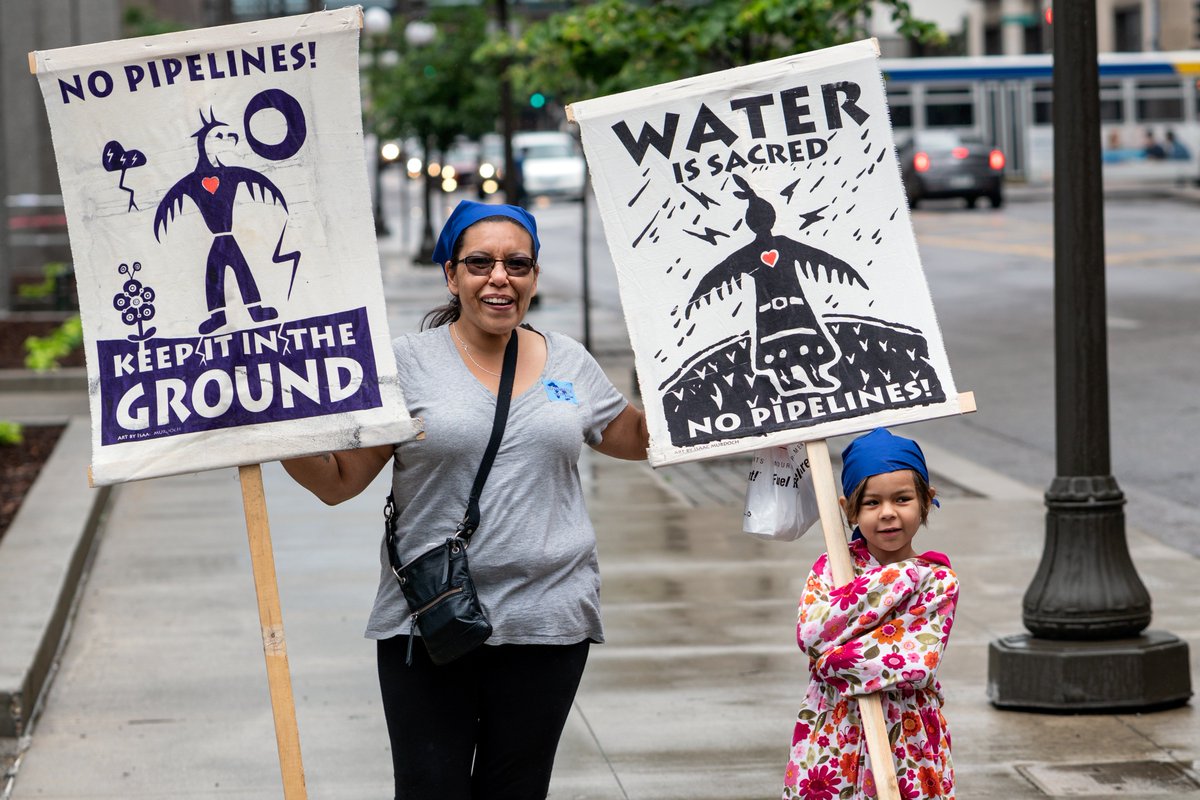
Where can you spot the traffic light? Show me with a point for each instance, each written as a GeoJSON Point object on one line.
{"type": "Point", "coordinates": [537, 100]}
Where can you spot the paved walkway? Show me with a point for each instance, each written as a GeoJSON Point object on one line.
{"type": "Point", "coordinates": [161, 689]}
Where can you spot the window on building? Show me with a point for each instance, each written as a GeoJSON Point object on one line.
{"type": "Point", "coordinates": [1127, 29]}
{"type": "Point", "coordinates": [993, 44]}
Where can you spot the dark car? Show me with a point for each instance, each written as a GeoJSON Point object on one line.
{"type": "Point", "coordinates": [935, 164]}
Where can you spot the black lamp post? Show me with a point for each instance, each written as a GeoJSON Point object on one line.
{"type": "Point", "coordinates": [377, 22]}
{"type": "Point", "coordinates": [419, 33]}
{"type": "Point", "coordinates": [1086, 610]}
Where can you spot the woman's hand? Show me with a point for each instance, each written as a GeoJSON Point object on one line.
{"type": "Point", "coordinates": [336, 477]}
{"type": "Point", "coordinates": [626, 436]}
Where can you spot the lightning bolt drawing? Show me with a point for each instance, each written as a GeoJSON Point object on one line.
{"type": "Point", "coordinates": [283, 258]}
{"type": "Point", "coordinates": [812, 217]}
{"type": "Point", "coordinates": [789, 190]}
{"type": "Point", "coordinates": [704, 199]}
{"type": "Point", "coordinates": [709, 235]}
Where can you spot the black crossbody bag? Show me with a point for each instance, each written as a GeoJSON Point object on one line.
{"type": "Point", "coordinates": [437, 584]}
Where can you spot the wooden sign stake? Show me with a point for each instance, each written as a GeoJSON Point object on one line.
{"type": "Point", "coordinates": [870, 707]}
{"type": "Point", "coordinates": [270, 616]}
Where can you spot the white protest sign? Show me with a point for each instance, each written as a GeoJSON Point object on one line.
{"type": "Point", "coordinates": [216, 194]}
{"type": "Point", "coordinates": [765, 256]}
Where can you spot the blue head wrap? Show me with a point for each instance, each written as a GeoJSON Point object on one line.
{"type": "Point", "coordinates": [467, 213]}
{"type": "Point", "coordinates": [878, 452]}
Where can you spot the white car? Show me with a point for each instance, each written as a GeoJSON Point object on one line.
{"type": "Point", "coordinates": [551, 164]}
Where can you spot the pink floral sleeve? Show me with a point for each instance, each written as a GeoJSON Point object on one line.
{"type": "Point", "coordinates": [886, 629]}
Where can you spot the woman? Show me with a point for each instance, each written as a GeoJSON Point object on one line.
{"type": "Point", "coordinates": [488, 724]}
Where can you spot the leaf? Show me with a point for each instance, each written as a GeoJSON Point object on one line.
{"type": "Point", "coordinates": [873, 598]}
{"type": "Point", "coordinates": [927, 638]}
{"type": "Point", "coordinates": [872, 653]}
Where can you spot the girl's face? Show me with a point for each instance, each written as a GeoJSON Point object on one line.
{"type": "Point", "coordinates": [890, 515]}
{"type": "Point", "coordinates": [494, 303]}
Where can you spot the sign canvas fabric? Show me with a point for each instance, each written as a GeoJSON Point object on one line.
{"type": "Point", "coordinates": [215, 188]}
{"type": "Point", "coordinates": [765, 255]}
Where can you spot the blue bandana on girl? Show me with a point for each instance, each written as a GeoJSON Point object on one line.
{"type": "Point", "coordinates": [467, 213]}
{"type": "Point", "coordinates": [878, 452]}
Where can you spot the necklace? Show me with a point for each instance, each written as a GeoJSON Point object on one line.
{"type": "Point", "coordinates": [467, 350]}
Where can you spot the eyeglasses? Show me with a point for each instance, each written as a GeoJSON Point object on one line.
{"type": "Point", "coordinates": [515, 266]}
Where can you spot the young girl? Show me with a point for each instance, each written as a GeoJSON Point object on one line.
{"type": "Point", "coordinates": [882, 632]}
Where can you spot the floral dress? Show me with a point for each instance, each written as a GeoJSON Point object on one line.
{"type": "Point", "coordinates": [882, 632]}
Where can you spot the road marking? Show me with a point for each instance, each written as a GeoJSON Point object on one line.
{"type": "Point", "coordinates": [1042, 251]}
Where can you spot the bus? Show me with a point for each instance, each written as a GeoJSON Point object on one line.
{"type": "Point", "coordinates": [1006, 100]}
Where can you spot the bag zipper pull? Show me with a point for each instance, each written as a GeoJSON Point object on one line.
{"type": "Point", "coordinates": [446, 567]}
{"type": "Point", "coordinates": [412, 634]}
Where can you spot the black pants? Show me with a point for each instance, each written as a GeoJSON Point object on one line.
{"type": "Point", "coordinates": [484, 727]}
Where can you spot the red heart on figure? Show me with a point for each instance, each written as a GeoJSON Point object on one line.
{"type": "Point", "coordinates": [210, 184]}
{"type": "Point", "coordinates": [769, 257]}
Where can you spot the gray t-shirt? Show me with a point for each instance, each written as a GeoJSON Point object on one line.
{"type": "Point", "coordinates": [533, 558]}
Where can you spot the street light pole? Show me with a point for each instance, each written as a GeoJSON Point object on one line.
{"type": "Point", "coordinates": [506, 113]}
{"type": "Point", "coordinates": [377, 21]}
{"type": "Point", "coordinates": [419, 33]}
{"type": "Point", "coordinates": [1086, 608]}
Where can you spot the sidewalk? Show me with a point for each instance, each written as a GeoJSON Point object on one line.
{"type": "Point", "coordinates": [161, 689]}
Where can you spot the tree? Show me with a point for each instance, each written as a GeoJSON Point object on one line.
{"type": "Point", "coordinates": [434, 91]}
{"type": "Point", "coordinates": [617, 45]}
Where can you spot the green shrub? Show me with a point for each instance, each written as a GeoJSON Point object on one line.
{"type": "Point", "coordinates": [40, 291]}
{"type": "Point", "coordinates": [44, 353]}
{"type": "Point", "coordinates": [11, 433]}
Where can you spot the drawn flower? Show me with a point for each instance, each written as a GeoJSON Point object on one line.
{"type": "Point", "coordinates": [893, 660]}
{"type": "Point", "coordinates": [135, 302]}
{"type": "Point", "coordinates": [799, 734]}
{"type": "Point", "coordinates": [839, 711]}
{"type": "Point", "coordinates": [931, 659]}
{"type": "Point", "coordinates": [889, 575]}
{"type": "Point", "coordinates": [911, 723]}
{"type": "Point", "coordinates": [889, 632]}
{"type": "Point", "coordinates": [908, 791]}
{"type": "Point", "coordinates": [931, 782]}
{"type": "Point", "coordinates": [821, 784]}
{"type": "Point", "coordinates": [847, 595]}
{"type": "Point", "coordinates": [931, 718]}
{"type": "Point", "coordinates": [791, 774]}
{"type": "Point", "coordinates": [849, 766]}
{"type": "Point", "coordinates": [843, 657]}
{"type": "Point", "coordinates": [833, 628]}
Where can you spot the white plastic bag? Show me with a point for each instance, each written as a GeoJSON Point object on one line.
{"type": "Point", "coordinates": [781, 502]}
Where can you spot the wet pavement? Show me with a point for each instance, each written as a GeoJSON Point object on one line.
{"type": "Point", "coordinates": [161, 690]}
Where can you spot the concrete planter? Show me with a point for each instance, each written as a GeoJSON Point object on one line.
{"type": "Point", "coordinates": [42, 561]}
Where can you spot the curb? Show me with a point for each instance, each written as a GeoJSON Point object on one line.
{"type": "Point", "coordinates": [42, 560]}
{"type": "Point", "coordinates": [65, 379]}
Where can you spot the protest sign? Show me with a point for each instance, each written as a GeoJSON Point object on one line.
{"type": "Point", "coordinates": [216, 194]}
{"type": "Point", "coordinates": [765, 256]}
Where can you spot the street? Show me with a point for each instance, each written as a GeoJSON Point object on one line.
{"type": "Point", "coordinates": [991, 277]}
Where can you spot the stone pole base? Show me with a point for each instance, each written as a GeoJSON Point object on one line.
{"type": "Point", "coordinates": [1149, 672]}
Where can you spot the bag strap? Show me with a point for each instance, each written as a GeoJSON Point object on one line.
{"type": "Point", "coordinates": [508, 373]}
{"type": "Point", "coordinates": [470, 522]}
